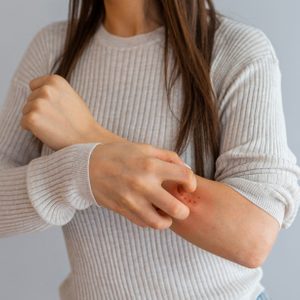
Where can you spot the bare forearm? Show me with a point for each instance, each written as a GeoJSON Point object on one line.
{"type": "Point", "coordinates": [221, 220]}
{"type": "Point", "coordinates": [225, 223]}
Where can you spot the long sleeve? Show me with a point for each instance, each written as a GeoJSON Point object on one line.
{"type": "Point", "coordinates": [254, 157]}
{"type": "Point", "coordinates": [36, 191]}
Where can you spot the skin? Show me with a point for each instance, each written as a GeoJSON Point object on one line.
{"type": "Point", "coordinates": [207, 213]}
{"type": "Point", "coordinates": [59, 117]}
{"type": "Point", "coordinates": [127, 18]}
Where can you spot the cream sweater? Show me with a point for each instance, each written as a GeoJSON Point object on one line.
{"type": "Point", "coordinates": [121, 80]}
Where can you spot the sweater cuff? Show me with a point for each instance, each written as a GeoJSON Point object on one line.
{"type": "Point", "coordinates": [262, 195]}
{"type": "Point", "coordinates": [58, 184]}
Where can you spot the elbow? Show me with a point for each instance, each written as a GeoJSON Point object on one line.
{"type": "Point", "coordinates": [257, 244]}
{"type": "Point", "coordinates": [254, 260]}
{"type": "Point", "coordinates": [257, 252]}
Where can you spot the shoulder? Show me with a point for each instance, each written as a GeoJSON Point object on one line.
{"type": "Point", "coordinates": [52, 33]}
{"type": "Point", "coordinates": [236, 47]}
{"type": "Point", "coordinates": [45, 45]}
{"type": "Point", "coordinates": [241, 42]}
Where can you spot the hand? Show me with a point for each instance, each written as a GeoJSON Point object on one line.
{"type": "Point", "coordinates": [56, 114]}
{"type": "Point", "coordinates": [127, 178]}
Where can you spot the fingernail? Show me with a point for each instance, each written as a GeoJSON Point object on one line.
{"type": "Point", "coordinates": [188, 166]}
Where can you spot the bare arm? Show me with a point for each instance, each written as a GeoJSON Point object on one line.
{"type": "Point", "coordinates": [238, 214]}
{"type": "Point", "coordinates": [225, 223]}
{"type": "Point", "coordinates": [221, 220]}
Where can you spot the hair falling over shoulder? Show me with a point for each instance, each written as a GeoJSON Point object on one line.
{"type": "Point", "coordinates": [190, 30]}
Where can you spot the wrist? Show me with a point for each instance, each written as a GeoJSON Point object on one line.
{"type": "Point", "coordinates": [99, 134]}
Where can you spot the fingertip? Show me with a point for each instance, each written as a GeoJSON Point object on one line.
{"type": "Point", "coordinates": [189, 188]}
{"type": "Point", "coordinates": [184, 212]}
{"type": "Point", "coordinates": [33, 83]}
{"type": "Point", "coordinates": [166, 223]}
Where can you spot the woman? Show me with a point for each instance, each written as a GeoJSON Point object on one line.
{"type": "Point", "coordinates": [96, 131]}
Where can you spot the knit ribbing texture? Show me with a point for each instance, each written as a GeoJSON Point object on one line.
{"type": "Point", "coordinates": [121, 80]}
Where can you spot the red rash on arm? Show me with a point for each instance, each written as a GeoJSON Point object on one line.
{"type": "Point", "coordinates": [187, 198]}
{"type": "Point", "coordinates": [221, 220]}
{"type": "Point", "coordinates": [224, 222]}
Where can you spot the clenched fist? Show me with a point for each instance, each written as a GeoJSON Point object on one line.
{"type": "Point", "coordinates": [56, 114]}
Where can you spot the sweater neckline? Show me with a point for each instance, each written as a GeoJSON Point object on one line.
{"type": "Point", "coordinates": [156, 35]}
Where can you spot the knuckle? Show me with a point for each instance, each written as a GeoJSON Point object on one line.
{"type": "Point", "coordinates": [46, 90]}
{"type": "Point", "coordinates": [149, 164]}
{"type": "Point", "coordinates": [148, 148]}
{"type": "Point", "coordinates": [132, 206]}
{"type": "Point", "coordinates": [123, 199]}
{"type": "Point", "coordinates": [128, 203]}
{"type": "Point", "coordinates": [38, 104]}
{"type": "Point", "coordinates": [31, 118]}
{"type": "Point", "coordinates": [54, 78]}
{"type": "Point", "coordinates": [136, 183]}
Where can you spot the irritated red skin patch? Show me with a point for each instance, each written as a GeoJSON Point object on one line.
{"type": "Point", "coordinates": [188, 198]}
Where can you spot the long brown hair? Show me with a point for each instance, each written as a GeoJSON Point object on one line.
{"type": "Point", "coordinates": [190, 30]}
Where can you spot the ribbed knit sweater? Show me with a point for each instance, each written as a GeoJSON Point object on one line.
{"type": "Point", "coordinates": [121, 80]}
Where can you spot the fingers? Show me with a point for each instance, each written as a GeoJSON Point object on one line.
{"type": "Point", "coordinates": [149, 215]}
{"type": "Point", "coordinates": [36, 99]}
{"type": "Point", "coordinates": [38, 82]}
{"type": "Point", "coordinates": [171, 158]}
{"type": "Point", "coordinates": [41, 92]}
{"type": "Point", "coordinates": [27, 108]}
{"type": "Point", "coordinates": [122, 211]}
{"type": "Point", "coordinates": [35, 105]}
{"type": "Point", "coordinates": [46, 79]}
{"type": "Point", "coordinates": [179, 173]}
{"type": "Point", "coordinates": [169, 204]}
{"type": "Point", "coordinates": [144, 215]}
{"type": "Point", "coordinates": [131, 216]}
{"type": "Point", "coordinates": [166, 155]}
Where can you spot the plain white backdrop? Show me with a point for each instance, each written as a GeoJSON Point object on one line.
{"type": "Point", "coordinates": [33, 265]}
